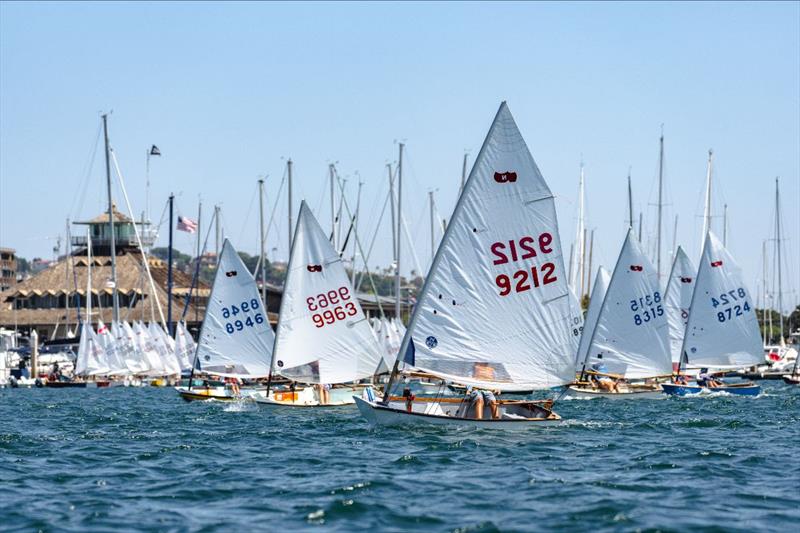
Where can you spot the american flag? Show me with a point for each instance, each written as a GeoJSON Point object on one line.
{"type": "Point", "coordinates": [187, 224]}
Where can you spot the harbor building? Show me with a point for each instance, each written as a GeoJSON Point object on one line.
{"type": "Point", "coordinates": [8, 268]}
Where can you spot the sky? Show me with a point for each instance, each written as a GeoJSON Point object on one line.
{"type": "Point", "coordinates": [229, 91]}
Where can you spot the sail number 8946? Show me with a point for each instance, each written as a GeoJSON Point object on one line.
{"type": "Point", "coordinates": [244, 307]}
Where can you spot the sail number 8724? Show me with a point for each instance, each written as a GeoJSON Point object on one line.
{"type": "Point", "coordinates": [732, 309]}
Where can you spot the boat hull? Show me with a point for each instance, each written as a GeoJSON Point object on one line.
{"type": "Point", "coordinates": [202, 394]}
{"type": "Point", "coordinates": [791, 380]}
{"type": "Point", "coordinates": [582, 393]}
{"type": "Point", "coordinates": [307, 397]}
{"type": "Point", "coordinates": [744, 389]}
{"type": "Point", "coordinates": [381, 415]}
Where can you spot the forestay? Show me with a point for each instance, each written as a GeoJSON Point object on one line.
{"type": "Point", "coordinates": [722, 331]}
{"type": "Point", "coordinates": [630, 335]}
{"type": "Point", "coordinates": [677, 300]}
{"type": "Point", "coordinates": [495, 310]}
{"type": "Point", "coordinates": [601, 282]}
{"type": "Point", "coordinates": [235, 339]}
{"type": "Point", "coordinates": [323, 335]}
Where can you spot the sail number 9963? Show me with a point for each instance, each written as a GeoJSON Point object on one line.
{"type": "Point", "coordinates": [245, 307]}
{"type": "Point", "coordinates": [330, 299]}
{"type": "Point", "coordinates": [518, 250]}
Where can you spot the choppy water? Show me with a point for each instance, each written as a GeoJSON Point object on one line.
{"type": "Point", "coordinates": [143, 460]}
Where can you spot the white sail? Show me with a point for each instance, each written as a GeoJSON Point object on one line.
{"type": "Point", "coordinates": [184, 346]}
{"type": "Point", "coordinates": [167, 356]}
{"type": "Point", "coordinates": [601, 282]}
{"type": "Point", "coordinates": [235, 339]}
{"type": "Point", "coordinates": [722, 331]}
{"type": "Point", "coordinates": [677, 299]}
{"type": "Point", "coordinates": [115, 363]}
{"type": "Point", "coordinates": [577, 322]}
{"type": "Point", "coordinates": [323, 335]}
{"type": "Point", "coordinates": [495, 310]}
{"type": "Point", "coordinates": [148, 349]}
{"type": "Point", "coordinates": [630, 335]}
{"type": "Point", "coordinates": [90, 360]}
{"type": "Point", "coordinates": [125, 345]}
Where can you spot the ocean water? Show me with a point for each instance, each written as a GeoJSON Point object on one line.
{"type": "Point", "coordinates": [143, 460]}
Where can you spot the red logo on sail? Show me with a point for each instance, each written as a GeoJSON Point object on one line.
{"type": "Point", "coordinates": [314, 268]}
{"type": "Point", "coordinates": [716, 263]}
{"type": "Point", "coordinates": [505, 177]}
{"type": "Point", "coordinates": [231, 274]}
{"type": "Point", "coordinates": [637, 268]}
{"type": "Point", "coordinates": [686, 280]}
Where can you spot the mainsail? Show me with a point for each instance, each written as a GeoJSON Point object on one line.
{"type": "Point", "coordinates": [677, 299]}
{"type": "Point", "coordinates": [602, 280]}
{"type": "Point", "coordinates": [630, 334]}
{"type": "Point", "coordinates": [495, 310]}
{"type": "Point", "coordinates": [184, 346]}
{"type": "Point", "coordinates": [722, 331]}
{"type": "Point", "coordinates": [235, 339]}
{"type": "Point", "coordinates": [91, 356]}
{"type": "Point", "coordinates": [323, 335]}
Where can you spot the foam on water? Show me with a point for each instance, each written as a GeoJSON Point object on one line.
{"type": "Point", "coordinates": [140, 459]}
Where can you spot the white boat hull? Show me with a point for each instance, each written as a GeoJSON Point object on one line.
{"type": "Point", "coordinates": [395, 416]}
{"type": "Point", "coordinates": [306, 397]}
{"type": "Point", "coordinates": [574, 392]}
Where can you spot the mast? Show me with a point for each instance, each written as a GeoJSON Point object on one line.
{"type": "Point", "coordinates": [630, 200]}
{"type": "Point", "coordinates": [583, 263]}
{"type": "Point", "coordinates": [66, 276]}
{"type": "Point", "coordinates": [199, 231]}
{"type": "Point", "coordinates": [397, 309]}
{"type": "Point", "coordinates": [674, 240]}
{"type": "Point", "coordinates": [725, 225]}
{"type": "Point", "coordinates": [577, 282]}
{"type": "Point", "coordinates": [355, 232]}
{"type": "Point", "coordinates": [261, 241]}
{"type": "Point", "coordinates": [589, 271]}
{"type": "Point", "coordinates": [289, 179]}
{"type": "Point", "coordinates": [778, 256]}
{"type": "Point", "coordinates": [216, 233]}
{"type": "Point", "coordinates": [112, 239]}
{"type": "Point", "coordinates": [660, 204]}
{"type": "Point", "coordinates": [333, 207]}
{"type": "Point", "coordinates": [394, 222]}
{"type": "Point", "coordinates": [169, 267]}
{"type": "Point", "coordinates": [764, 289]}
{"type": "Point", "coordinates": [707, 212]}
{"type": "Point", "coordinates": [433, 242]}
{"type": "Point", "coordinates": [89, 278]}
{"type": "Point", "coordinates": [640, 226]}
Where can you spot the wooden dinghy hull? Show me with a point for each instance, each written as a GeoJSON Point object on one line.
{"type": "Point", "coordinates": [306, 397]}
{"type": "Point", "coordinates": [203, 394]}
{"type": "Point", "coordinates": [739, 389]}
{"type": "Point", "coordinates": [394, 415]}
{"type": "Point", "coordinates": [647, 393]}
{"type": "Point", "coordinates": [791, 380]}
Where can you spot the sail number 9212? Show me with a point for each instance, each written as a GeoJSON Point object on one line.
{"type": "Point", "coordinates": [331, 299]}
{"type": "Point", "coordinates": [245, 307]}
{"type": "Point", "coordinates": [519, 250]}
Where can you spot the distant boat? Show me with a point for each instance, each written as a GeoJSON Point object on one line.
{"type": "Point", "coordinates": [323, 340]}
{"type": "Point", "coordinates": [722, 332]}
{"type": "Point", "coordinates": [629, 336]}
{"type": "Point", "coordinates": [235, 338]}
{"type": "Point", "coordinates": [677, 300]}
{"type": "Point", "coordinates": [495, 311]}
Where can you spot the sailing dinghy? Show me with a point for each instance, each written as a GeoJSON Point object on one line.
{"type": "Point", "coordinates": [235, 338]}
{"type": "Point", "coordinates": [629, 337]}
{"type": "Point", "coordinates": [323, 338]}
{"type": "Point", "coordinates": [722, 332]}
{"type": "Point", "coordinates": [494, 312]}
{"type": "Point", "coordinates": [677, 301]}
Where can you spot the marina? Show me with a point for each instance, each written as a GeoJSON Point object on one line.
{"type": "Point", "coordinates": [310, 307]}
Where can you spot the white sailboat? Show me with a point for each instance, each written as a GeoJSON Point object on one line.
{"type": "Point", "coordinates": [677, 300]}
{"type": "Point", "coordinates": [185, 346]}
{"type": "Point", "coordinates": [722, 331]}
{"type": "Point", "coordinates": [235, 338]}
{"type": "Point", "coordinates": [629, 338]}
{"type": "Point", "coordinates": [601, 283]}
{"type": "Point", "coordinates": [495, 309]}
{"type": "Point", "coordinates": [323, 337]}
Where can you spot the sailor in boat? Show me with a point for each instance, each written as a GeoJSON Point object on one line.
{"type": "Point", "coordinates": [705, 379]}
{"type": "Point", "coordinates": [324, 393]}
{"type": "Point", "coordinates": [479, 398]}
{"type": "Point", "coordinates": [602, 379]}
{"type": "Point", "coordinates": [680, 379]}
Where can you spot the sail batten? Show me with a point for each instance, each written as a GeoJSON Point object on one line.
{"type": "Point", "coordinates": [494, 310]}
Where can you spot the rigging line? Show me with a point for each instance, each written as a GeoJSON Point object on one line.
{"type": "Point", "coordinates": [247, 215]}
{"type": "Point", "coordinates": [87, 170]}
{"type": "Point", "coordinates": [371, 244]}
{"type": "Point", "coordinates": [269, 225]}
{"type": "Point", "coordinates": [196, 274]}
{"type": "Point", "coordinates": [138, 236]}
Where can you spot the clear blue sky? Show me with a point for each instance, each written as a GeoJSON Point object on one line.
{"type": "Point", "coordinates": [228, 90]}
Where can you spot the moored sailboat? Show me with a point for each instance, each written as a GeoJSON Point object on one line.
{"type": "Point", "coordinates": [495, 309]}
{"type": "Point", "coordinates": [722, 331]}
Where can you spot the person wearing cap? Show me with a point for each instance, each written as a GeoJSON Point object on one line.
{"type": "Point", "coordinates": [479, 398]}
{"type": "Point", "coordinates": [604, 381]}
